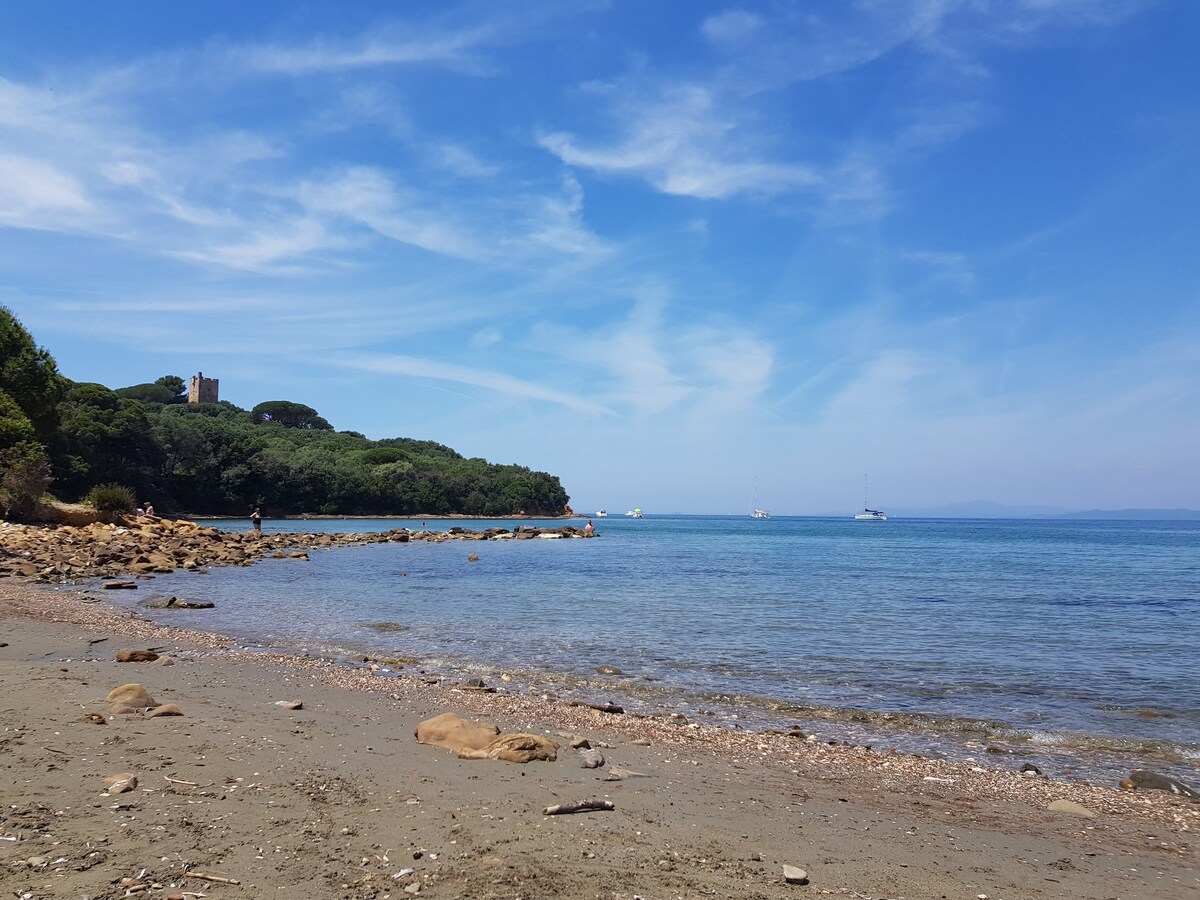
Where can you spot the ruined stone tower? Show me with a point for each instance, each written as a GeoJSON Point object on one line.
{"type": "Point", "coordinates": [201, 389]}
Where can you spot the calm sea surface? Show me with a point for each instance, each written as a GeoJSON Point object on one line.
{"type": "Point", "coordinates": [1068, 642]}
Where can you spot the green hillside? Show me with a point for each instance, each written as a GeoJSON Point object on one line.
{"type": "Point", "coordinates": [69, 437]}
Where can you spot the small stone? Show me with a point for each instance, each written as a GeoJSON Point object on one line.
{"type": "Point", "coordinates": [1070, 806]}
{"type": "Point", "coordinates": [794, 875]}
{"type": "Point", "coordinates": [164, 661]}
{"type": "Point", "coordinates": [608, 670]}
{"type": "Point", "coordinates": [414, 888]}
{"type": "Point", "coordinates": [167, 709]}
{"type": "Point", "coordinates": [121, 784]}
{"type": "Point", "coordinates": [290, 704]}
{"type": "Point", "coordinates": [1031, 769]}
{"type": "Point", "coordinates": [591, 758]}
{"type": "Point", "coordinates": [474, 557]}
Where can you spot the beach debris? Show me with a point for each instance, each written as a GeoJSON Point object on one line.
{"type": "Point", "coordinates": [1152, 781]}
{"type": "Point", "coordinates": [516, 748]}
{"type": "Point", "coordinates": [127, 655]}
{"type": "Point", "coordinates": [120, 784]}
{"type": "Point", "coordinates": [175, 603]}
{"type": "Point", "coordinates": [167, 709]}
{"type": "Point", "coordinates": [452, 732]}
{"type": "Point", "coordinates": [1072, 808]}
{"type": "Point", "coordinates": [616, 773]}
{"type": "Point", "coordinates": [290, 704]}
{"type": "Point", "coordinates": [95, 718]}
{"type": "Point", "coordinates": [92, 641]}
{"type": "Point", "coordinates": [795, 875]}
{"type": "Point", "coordinates": [591, 758]}
{"type": "Point", "coordinates": [476, 684]}
{"type": "Point", "coordinates": [562, 809]}
{"type": "Point", "coordinates": [130, 697]}
{"type": "Point", "coordinates": [599, 707]}
{"type": "Point", "coordinates": [216, 879]}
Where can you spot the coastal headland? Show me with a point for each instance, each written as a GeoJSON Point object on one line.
{"type": "Point", "coordinates": [252, 774]}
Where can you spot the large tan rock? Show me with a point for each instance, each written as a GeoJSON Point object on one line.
{"type": "Point", "coordinates": [131, 694]}
{"type": "Point", "coordinates": [128, 655]}
{"type": "Point", "coordinates": [452, 732]}
{"type": "Point", "coordinates": [517, 748]}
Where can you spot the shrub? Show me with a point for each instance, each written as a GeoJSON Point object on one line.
{"type": "Point", "coordinates": [24, 476]}
{"type": "Point", "coordinates": [112, 498]}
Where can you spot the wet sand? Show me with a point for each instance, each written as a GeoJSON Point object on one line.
{"type": "Point", "coordinates": [240, 797]}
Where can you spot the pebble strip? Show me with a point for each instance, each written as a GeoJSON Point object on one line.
{"type": "Point", "coordinates": [864, 769]}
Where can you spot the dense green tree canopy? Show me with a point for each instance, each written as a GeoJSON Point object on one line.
{"type": "Point", "coordinates": [290, 415]}
{"type": "Point", "coordinates": [216, 458]}
{"type": "Point", "coordinates": [29, 375]}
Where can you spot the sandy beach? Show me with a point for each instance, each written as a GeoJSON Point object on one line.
{"type": "Point", "coordinates": [242, 797]}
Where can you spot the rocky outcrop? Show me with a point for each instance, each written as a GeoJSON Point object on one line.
{"type": "Point", "coordinates": [146, 546]}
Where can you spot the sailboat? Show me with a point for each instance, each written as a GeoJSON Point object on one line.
{"type": "Point", "coordinates": [868, 514]}
{"type": "Point", "coordinates": [759, 512]}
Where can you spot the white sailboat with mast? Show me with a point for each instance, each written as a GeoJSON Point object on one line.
{"type": "Point", "coordinates": [868, 514]}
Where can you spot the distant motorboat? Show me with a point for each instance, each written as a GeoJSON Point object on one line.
{"type": "Point", "coordinates": [635, 513]}
{"type": "Point", "coordinates": [760, 514]}
{"type": "Point", "coordinates": [602, 514]}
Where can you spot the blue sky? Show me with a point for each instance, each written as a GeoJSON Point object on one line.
{"type": "Point", "coordinates": [678, 253]}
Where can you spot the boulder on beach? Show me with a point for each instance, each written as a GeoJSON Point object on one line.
{"type": "Point", "coordinates": [1152, 781]}
{"type": "Point", "coordinates": [517, 748]}
{"type": "Point", "coordinates": [452, 732]}
{"type": "Point", "coordinates": [127, 655]}
{"type": "Point", "coordinates": [131, 695]}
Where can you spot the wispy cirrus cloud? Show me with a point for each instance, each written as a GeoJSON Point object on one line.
{"type": "Point", "coordinates": [34, 193]}
{"type": "Point", "coordinates": [493, 381]}
{"type": "Point", "coordinates": [685, 142]}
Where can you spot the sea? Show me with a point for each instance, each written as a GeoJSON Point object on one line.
{"type": "Point", "coordinates": [1070, 645]}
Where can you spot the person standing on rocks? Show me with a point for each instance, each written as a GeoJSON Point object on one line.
{"type": "Point", "coordinates": [256, 519]}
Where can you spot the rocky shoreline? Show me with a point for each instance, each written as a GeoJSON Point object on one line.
{"type": "Point", "coordinates": [149, 545]}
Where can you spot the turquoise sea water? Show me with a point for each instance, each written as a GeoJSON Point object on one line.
{"type": "Point", "coordinates": [1072, 644]}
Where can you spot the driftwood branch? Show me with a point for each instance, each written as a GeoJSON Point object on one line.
{"type": "Point", "coordinates": [561, 809]}
{"type": "Point", "coordinates": [599, 707]}
{"type": "Point", "coordinates": [219, 879]}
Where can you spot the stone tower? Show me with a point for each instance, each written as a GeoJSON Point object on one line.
{"type": "Point", "coordinates": [201, 389]}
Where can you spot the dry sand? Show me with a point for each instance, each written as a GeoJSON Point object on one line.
{"type": "Point", "coordinates": [337, 799]}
